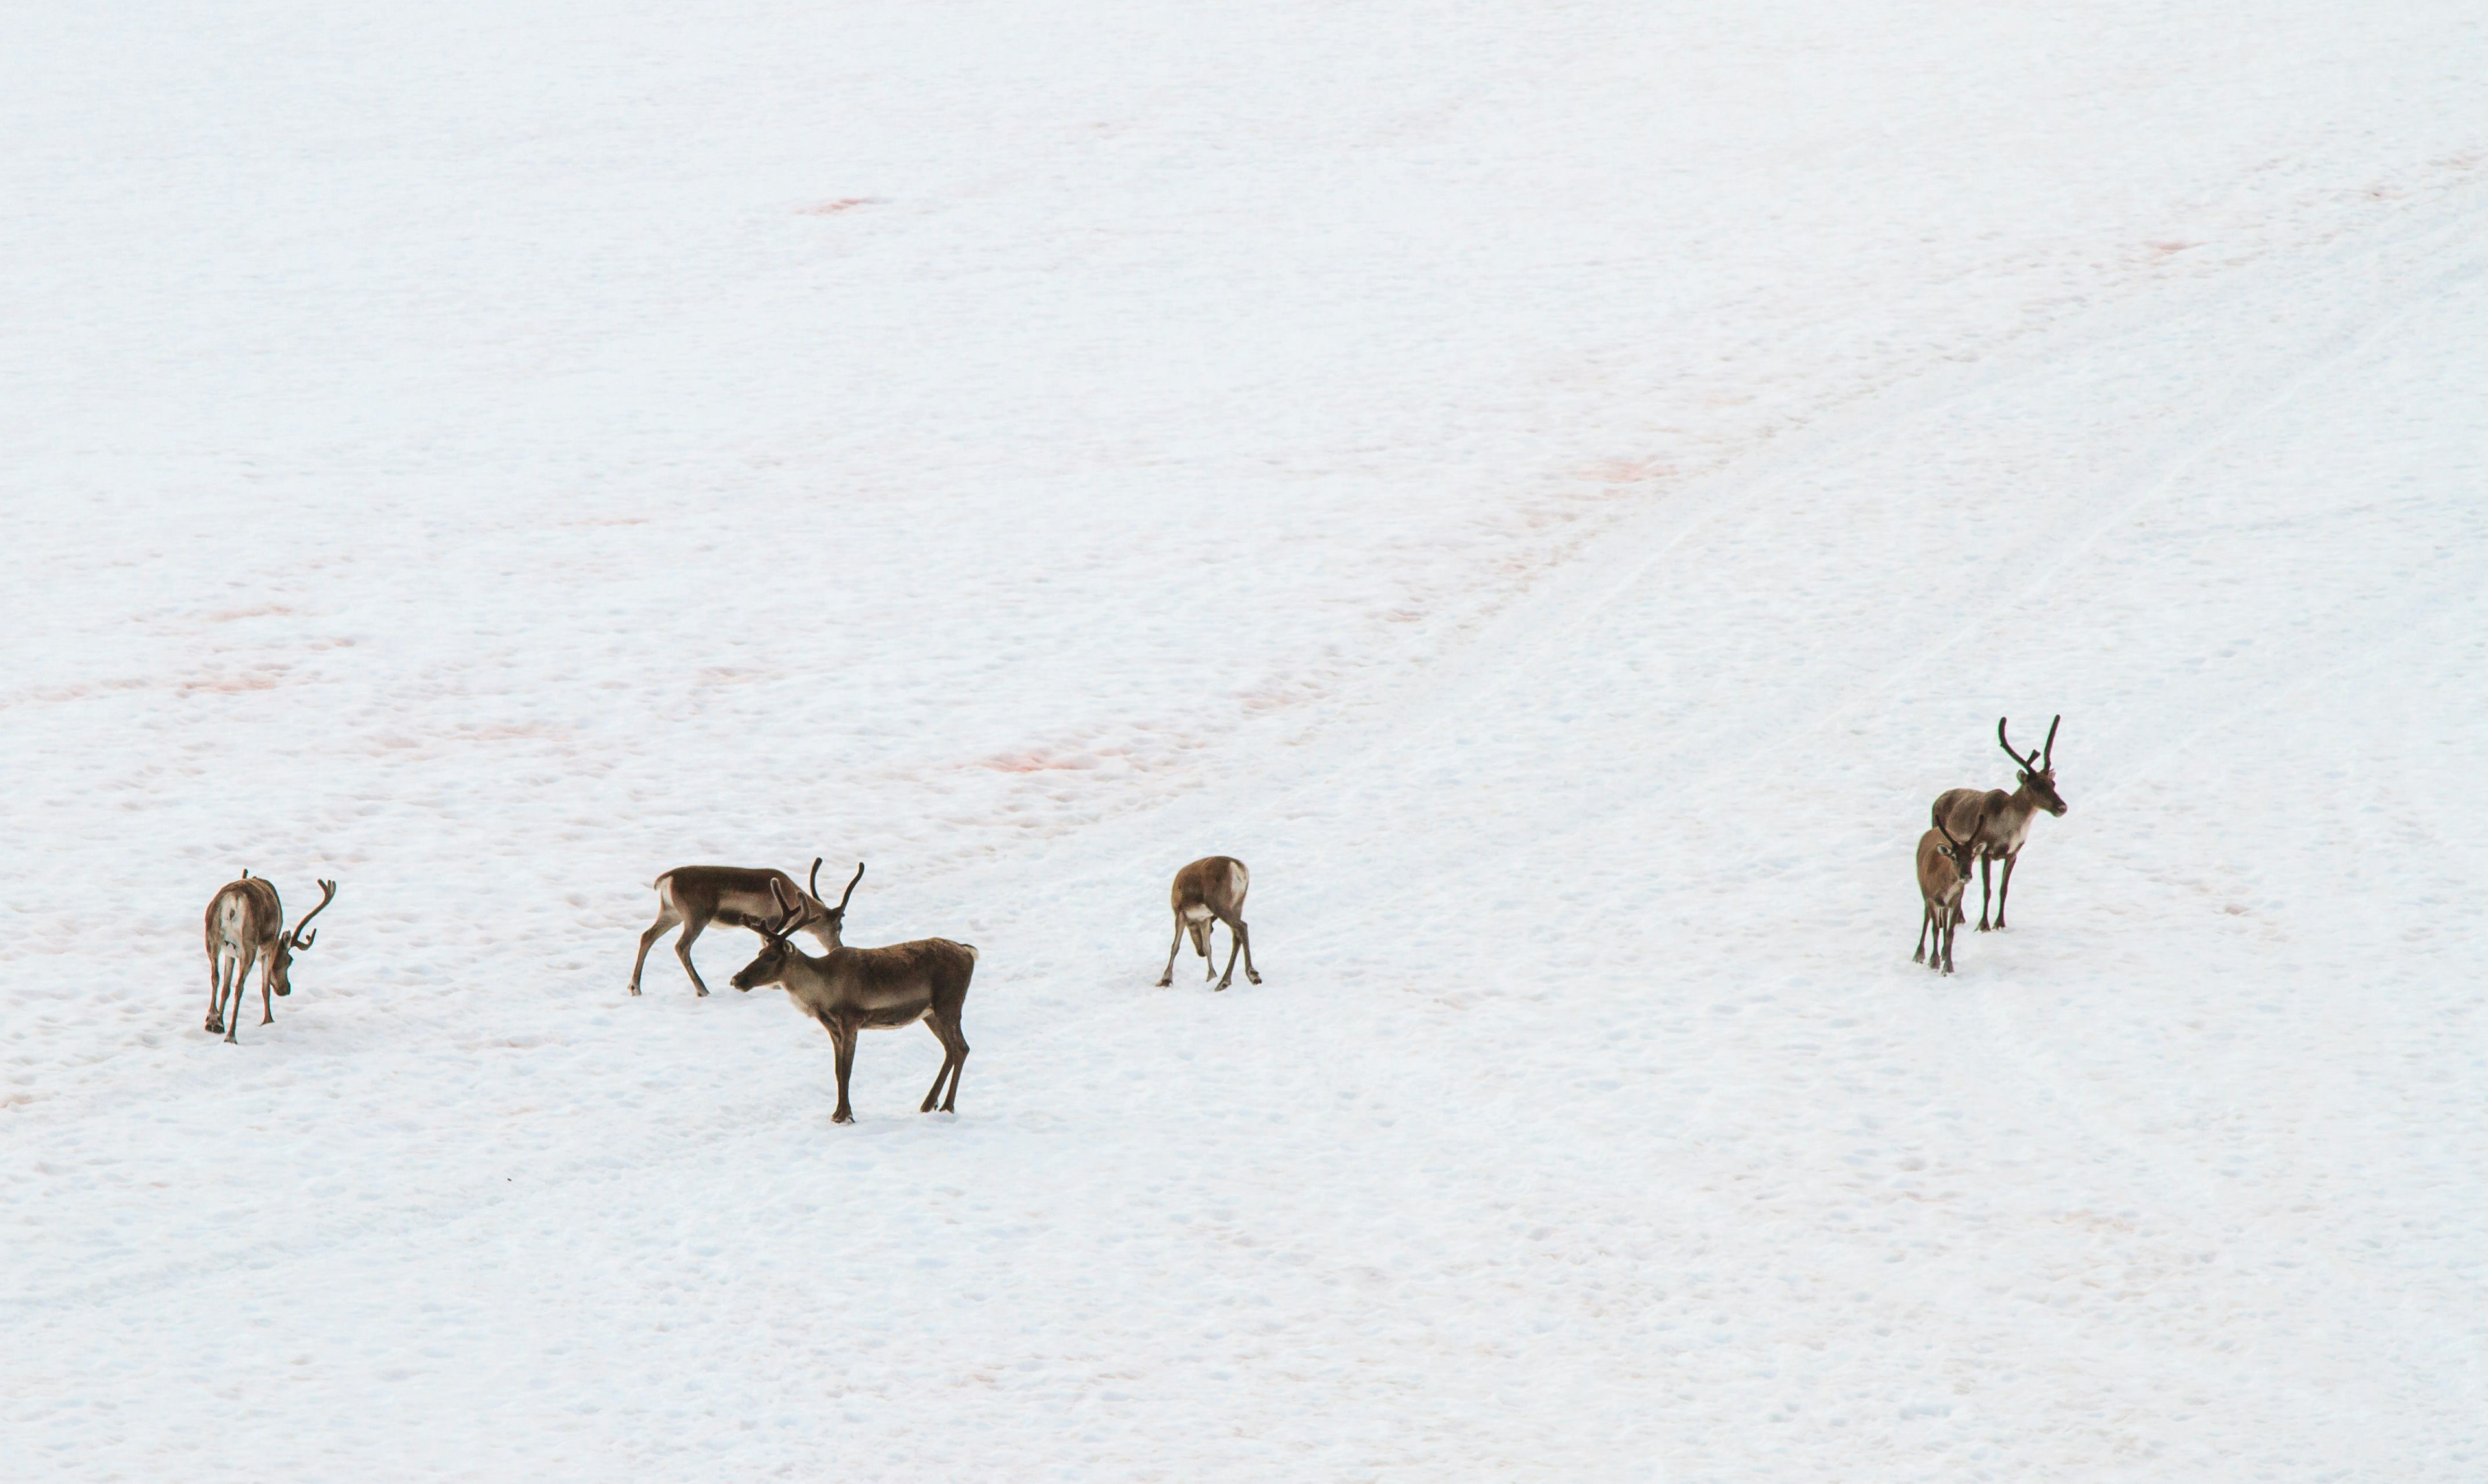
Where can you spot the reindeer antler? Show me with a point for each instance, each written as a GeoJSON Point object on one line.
{"type": "Point", "coordinates": [2019, 761]}
{"type": "Point", "coordinates": [301, 938]}
{"type": "Point", "coordinates": [2047, 758]}
{"type": "Point", "coordinates": [851, 886]}
{"type": "Point", "coordinates": [785, 924]}
{"type": "Point", "coordinates": [815, 887]}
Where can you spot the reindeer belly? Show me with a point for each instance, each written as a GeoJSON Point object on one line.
{"type": "Point", "coordinates": [892, 1016]}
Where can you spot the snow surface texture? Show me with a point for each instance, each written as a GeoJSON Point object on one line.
{"type": "Point", "coordinates": [1557, 490]}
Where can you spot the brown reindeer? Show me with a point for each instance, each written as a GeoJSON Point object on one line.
{"type": "Point", "coordinates": [1207, 892]}
{"type": "Point", "coordinates": [1998, 822]}
{"type": "Point", "coordinates": [246, 925]}
{"type": "Point", "coordinates": [851, 989]}
{"type": "Point", "coordinates": [1943, 873]}
{"type": "Point", "coordinates": [739, 897]}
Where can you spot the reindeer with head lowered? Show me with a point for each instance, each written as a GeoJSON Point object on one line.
{"type": "Point", "coordinates": [246, 926]}
{"type": "Point", "coordinates": [851, 989]}
{"type": "Point", "coordinates": [1996, 822]}
{"type": "Point", "coordinates": [738, 896]}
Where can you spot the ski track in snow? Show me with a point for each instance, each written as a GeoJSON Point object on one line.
{"type": "Point", "coordinates": [1557, 492]}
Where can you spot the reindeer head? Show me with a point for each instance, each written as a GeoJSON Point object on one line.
{"type": "Point", "coordinates": [777, 954]}
{"type": "Point", "coordinates": [280, 974]}
{"type": "Point", "coordinates": [1963, 853]}
{"type": "Point", "coordinates": [2037, 771]}
{"type": "Point", "coordinates": [818, 918]}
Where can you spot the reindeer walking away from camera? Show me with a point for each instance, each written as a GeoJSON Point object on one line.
{"type": "Point", "coordinates": [246, 926]}
{"type": "Point", "coordinates": [853, 989]}
{"type": "Point", "coordinates": [739, 897]}
{"type": "Point", "coordinates": [1207, 892]}
{"type": "Point", "coordinates": [1998, 822]}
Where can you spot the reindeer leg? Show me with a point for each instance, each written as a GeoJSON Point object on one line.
{"type": "Point", "coordinates": [1173, 949]}
{"type": "Point", "coordinates": [1926, 920]}
{"type": "Point", "coordinates": [241, 984]}
{"type": "Point", "coordinates": [2004, 888]}
{"type": "Point", "coordinates": [216, 993]}
{"type": "Point", "coordinates": [844, 1037]}
{"type": "Point", "coordinates": [954, 1056]}
{"type": "Point", "coordinates": [267, 1006]}
{"type": "Point", "coordinates": [665, 919]}
{"type": "Point", "coordinates": [692, 931]}
{"type": "Point", "coordinates": [1983, 865]}
{"type": "Point", "coordinates": [934, 1092]}
{"type": "Point", "coordinates": [1244, 933]}
{"type": "Point", "coordinates": [958, 1064]}
{"type": "Point", "coordinates": [1234, 946]}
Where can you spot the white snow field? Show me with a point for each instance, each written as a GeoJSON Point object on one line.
{"type": "Point", "coordinates": [1558, 489]}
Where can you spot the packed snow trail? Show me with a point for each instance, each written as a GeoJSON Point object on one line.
{"type": "Point", "coordinates": [1556, 492]}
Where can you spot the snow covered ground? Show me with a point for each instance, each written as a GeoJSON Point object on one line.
{"type": "Point", "coordinates": [1557, 488]}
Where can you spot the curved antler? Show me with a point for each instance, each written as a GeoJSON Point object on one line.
{"type": "Point", "coordinates": [2019, 761]}
{"type": "Point", "coordinates": [787, 923]}
{"type": "Point", "coordinates": [815, 887]}
{"type": "Point", "coordinates": [301, 938]}
{"type": "Point", "coordinates": [851, 886]}
{"type": "Point", "coordinates": [2047, 758]}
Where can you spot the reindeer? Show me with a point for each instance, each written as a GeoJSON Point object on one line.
{"type": "Point", "coordinates": [849, 990]}
{"type": "Point", "coordinates": [246, 925]}
{"type": "Point", "coordinates": [697, 896]}
{"type": "Point", "coordinates": [1943, 873]}
{"type": "Point", "coordinates": [1998, 822]}
{"type": "Point", "coordinates": [1209, 891]}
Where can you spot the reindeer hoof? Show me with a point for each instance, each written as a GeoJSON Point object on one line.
{"type": "Point", "coordinates": [1167, 980]}
{"type": "Point", "coordinates": [635, 989]}
{"type": "Point", "coordinates": [1248, 974]}
{"type": "Point", "coordinates": [216, 1027]}
{"type": "Point", "coordinates": [842, 1116]}
{"type": "Point", "coordinates": [704, 993]}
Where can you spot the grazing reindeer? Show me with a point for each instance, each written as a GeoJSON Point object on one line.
{"type": "Point", "coordinates": [1209, 891]}
{"type": "Point", "coordinates": [697, 896]}
{"type": "Point", "coordinates": [1998, 822]}
{"type": "Point", "coordinates": [246, 925]}
{"type": "Point", "coordinates": [1943, 874]}
{"type": "Point", "coordinates": [849, 990]}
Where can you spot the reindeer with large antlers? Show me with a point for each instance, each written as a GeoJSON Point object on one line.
{"type": "Point", "coordinates": [739, 897]}
{"type": "Point", "coordinates": [852, 990]}
{"type": "Point", "coordinates": [1998, 822]}
{"type": "Point", "coordinates": [1943, 874]}
{"type": "Point", "coordinates": [246, 925]}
